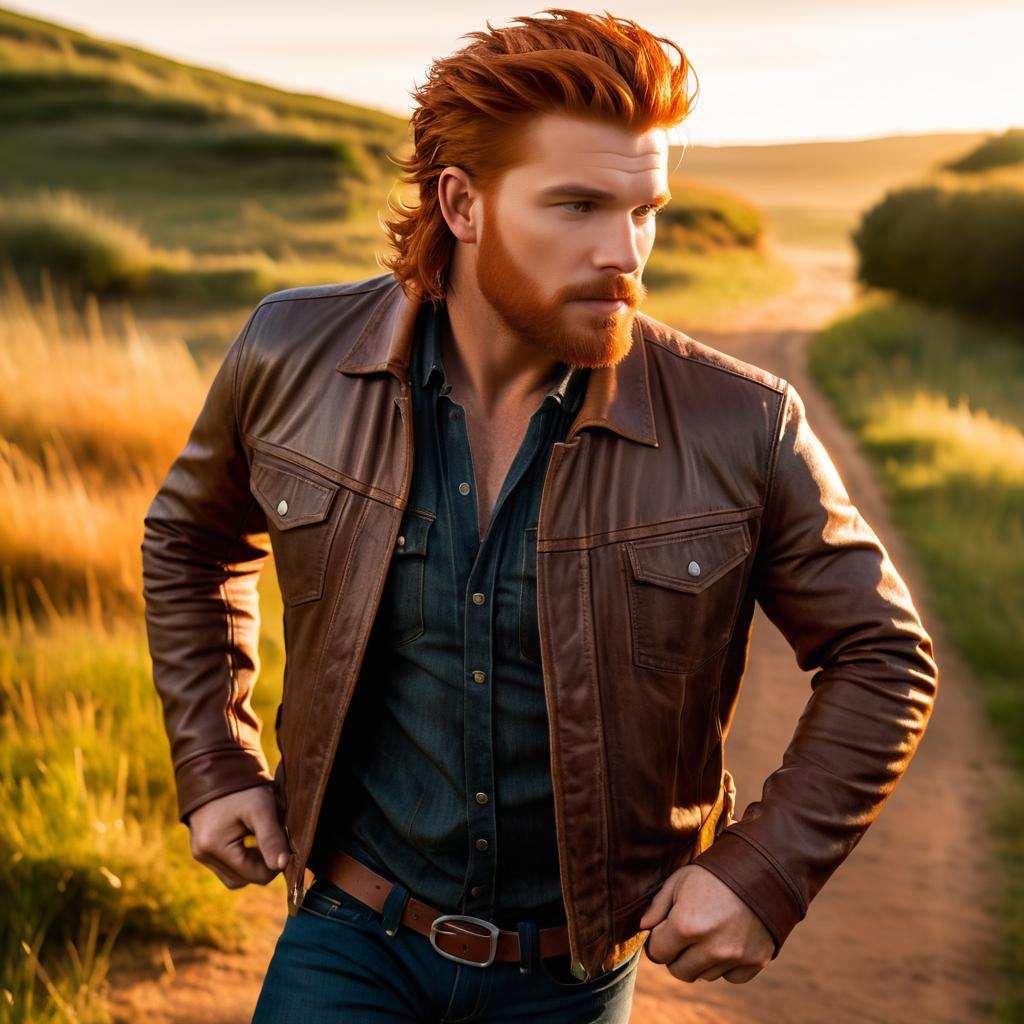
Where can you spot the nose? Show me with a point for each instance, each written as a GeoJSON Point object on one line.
{"type": "Point", "coordinates": [621, 247]}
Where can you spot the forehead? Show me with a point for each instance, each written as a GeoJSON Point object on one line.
{"type": "Point", "coordinates": [556, 143]}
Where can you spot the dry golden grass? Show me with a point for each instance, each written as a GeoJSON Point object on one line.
{"type": "Point", "coordinates": [94, 413]}
{"type": "Point", "coordinates": [93, 385]}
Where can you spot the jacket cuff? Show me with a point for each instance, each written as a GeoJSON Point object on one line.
{"type": "Point", "coordinates": [750, 872]}
{"type": "Point", "coordinates": [215, 773]}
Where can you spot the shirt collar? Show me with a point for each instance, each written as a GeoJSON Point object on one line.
{"type": "Point", "coordinates": [429, 352]}
{"type": "Point", "coordinates": [616, 398]}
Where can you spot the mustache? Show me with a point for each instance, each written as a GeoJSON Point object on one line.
{"type": "Point", "coordinates": [628, 291]}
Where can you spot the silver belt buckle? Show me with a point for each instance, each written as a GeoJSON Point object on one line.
{"type": "Point", "coordinates": [488, 927]}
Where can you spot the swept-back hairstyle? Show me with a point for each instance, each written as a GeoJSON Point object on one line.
{"type": "Point", "coordinates": [476, 105]}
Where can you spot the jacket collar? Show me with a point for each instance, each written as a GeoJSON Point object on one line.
{"type": "Point", "coordinates": [617, 398]}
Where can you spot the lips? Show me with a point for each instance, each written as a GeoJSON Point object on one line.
{"type": "Point", "coordinates": [604, 305]}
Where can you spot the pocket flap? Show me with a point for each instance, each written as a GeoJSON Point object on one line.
{"type": "Point", "coordinates": [412, 535]}
{"type": "Point", "coordinates": [288, 497]}
{"type": "Point", "coordinates": [689, 562]}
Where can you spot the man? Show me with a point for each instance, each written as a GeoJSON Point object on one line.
{"type": "Point", "coordinates": [519, 529]}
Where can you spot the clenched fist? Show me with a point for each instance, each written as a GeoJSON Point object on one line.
{"type": "Point", "coordinates": [218, 830]}
{"type": "Point", "coordinates": [703, 931]}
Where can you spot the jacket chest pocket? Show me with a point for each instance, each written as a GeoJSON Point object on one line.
{"type": "Point", "coordinates": [683, 593]}
{"type": "Point", "coordinates": [298, 507]}
{"type": "Point", "coordinates": [403, 598]}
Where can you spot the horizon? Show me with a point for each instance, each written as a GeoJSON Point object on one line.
{"type": "Point", "coordinates": [743, 58]}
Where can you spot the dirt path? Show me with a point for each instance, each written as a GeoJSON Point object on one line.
{"type": "Point", "coordinates": [904, 931]}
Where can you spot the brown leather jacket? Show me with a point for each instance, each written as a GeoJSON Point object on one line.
{"type": "Point", "coordinates": [689, 486]}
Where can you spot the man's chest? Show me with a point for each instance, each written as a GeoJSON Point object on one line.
{"type": "Point", "coordinates": [493, 445]}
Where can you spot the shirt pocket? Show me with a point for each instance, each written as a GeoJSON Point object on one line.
{"type": "Point", "coordinates": [683, 591]}
{"type": "Point", "coordinates": [402, 603]}
{"type": "Point", "coordinates": [298, 506]}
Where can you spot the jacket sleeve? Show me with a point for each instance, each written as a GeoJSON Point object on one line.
{"type": "Point", "coordinates": [824, 579]}
{"type": "Point", "coordinates": [204, 545]}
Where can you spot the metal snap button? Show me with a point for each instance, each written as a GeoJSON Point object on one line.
{"type": "Point", "coordinates": [479, 599]}
{"type": "Point", "coordinates": [463, 488]}
{"type": "Point", "coordinates": [479, 675]}
{"type": "Point", "coordinates": [482, 844]}
{"type": "Point", "coordinates": [401, 541]}
{"type": "Point", "coordinates": [693, 569]}
{"type": "Point", "coordinates": [282, 507]}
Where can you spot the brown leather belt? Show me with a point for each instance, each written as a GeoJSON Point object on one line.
{"type": "Point", "coordinates": [459, 937]}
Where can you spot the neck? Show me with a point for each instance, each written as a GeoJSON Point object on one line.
{"type": "Point", "coordinates": [488, 364]}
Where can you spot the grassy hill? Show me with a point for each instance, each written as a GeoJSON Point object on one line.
{"type": "Point", "coordinates": [206, 161]}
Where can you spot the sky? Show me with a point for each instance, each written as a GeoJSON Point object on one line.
{"type": "Point", "coordinates": [769, 73]}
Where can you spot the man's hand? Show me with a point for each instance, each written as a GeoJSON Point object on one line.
{"type": "Point", "coordinates": [704, 931]}
{"type": "Point", "coordinates": [218, 830]}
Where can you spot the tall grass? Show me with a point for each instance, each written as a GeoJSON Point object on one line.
{"type": "Point", "coordinates": [938, 404]}
{"type": "Point", "coordinates": [92, 417]}
{"type": "Point", "coordinates": [92, 856]}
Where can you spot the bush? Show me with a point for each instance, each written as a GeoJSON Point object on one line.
{"type": "Point", "coordinates": [59, 231]}
{"type": "Point", "coordinates": [700, 219]}
{"type": "Point", "coordinates": [958, 245]}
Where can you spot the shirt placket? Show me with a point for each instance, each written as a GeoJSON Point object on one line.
{"type": "Point", "coordinates": [476, 562]}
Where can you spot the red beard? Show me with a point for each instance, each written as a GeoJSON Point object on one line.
{"type": "Point", "coordinates": [567, 331]}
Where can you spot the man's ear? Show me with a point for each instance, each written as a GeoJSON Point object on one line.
{"type": "Point", "coordinates": [460, 203]}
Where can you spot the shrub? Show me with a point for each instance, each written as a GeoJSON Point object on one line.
{"type": "Point", "coordinates": [60, 232]}
{"type": "Point", "coordinates": [958, 245]}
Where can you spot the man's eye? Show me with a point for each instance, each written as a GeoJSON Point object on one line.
{"type": "Point", "coordinates": [647, 210]}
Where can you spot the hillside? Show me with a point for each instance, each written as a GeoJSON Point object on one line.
{"type": "Point", "coordinates": [203, 160]}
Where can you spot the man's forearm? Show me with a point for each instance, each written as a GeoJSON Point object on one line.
{"type": "Point", "coordinates": [824, 579]}
{"type": "Point", "coordinates": [204, 546]}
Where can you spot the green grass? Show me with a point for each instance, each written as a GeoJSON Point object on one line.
{"type": "Point", "coordinates": [937, 402]}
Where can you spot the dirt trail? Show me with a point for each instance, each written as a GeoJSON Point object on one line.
{"type": "Point", "coordinates": [904, 931]}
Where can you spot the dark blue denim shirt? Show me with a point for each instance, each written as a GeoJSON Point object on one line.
{"type": "Point", "coordinates": [442, 778]}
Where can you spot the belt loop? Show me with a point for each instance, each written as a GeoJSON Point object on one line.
{"type": "Point", "coordinates": [529, 945]}
{"type": "Point", "coordinates": [394, 908]}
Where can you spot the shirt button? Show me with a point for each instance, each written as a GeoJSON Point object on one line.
{"type": "Point", "coordinates": [282, 507]}
{"type": "Point", "coordinates": [479, 676]}
{"type": "Point", "coordinates": [479, 598]}
{"type": "Point", "coordinates": [401, 541]}
{"type": "Point", "coordinates": [693, 569]}
{"type": "Point", "coordinates": [481, 844]}
{"type": "Point", "coordinates": [481, 798]}
{"type": "Point", "coordinates": [463, 488]}
{"type": "Point", "coordinates": [477, 890]}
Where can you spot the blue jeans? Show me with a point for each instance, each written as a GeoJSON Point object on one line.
{"type": "Point", "coordinates": [334, 963]}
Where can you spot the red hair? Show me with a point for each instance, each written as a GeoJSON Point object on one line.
{"type": "Point", "coordinates": [476, 104]}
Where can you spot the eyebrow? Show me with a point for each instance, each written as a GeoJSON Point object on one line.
{"type": "Point", "coordinates": [587, 192]}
